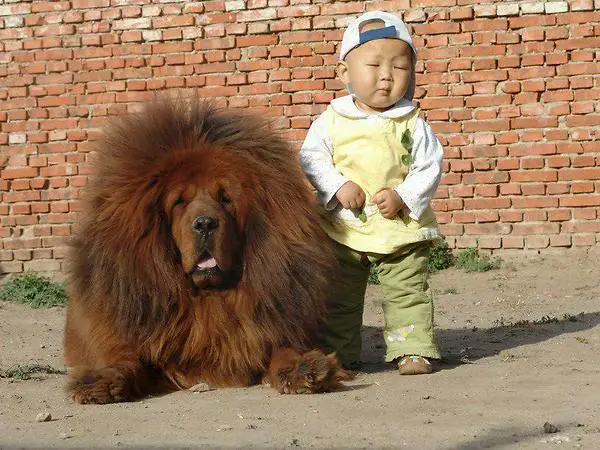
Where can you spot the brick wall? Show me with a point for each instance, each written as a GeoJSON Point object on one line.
{"type": "Point", "coordinates": [511, 87]}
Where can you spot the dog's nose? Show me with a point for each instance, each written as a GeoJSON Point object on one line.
{"type": "Point", "coordinates": [205, 224]}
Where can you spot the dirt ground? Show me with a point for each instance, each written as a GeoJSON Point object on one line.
{"type": "Point", "coordinates": [522, 347]}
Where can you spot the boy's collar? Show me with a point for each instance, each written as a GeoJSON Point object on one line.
{"type": "Point", "coordinates": [346, 107]}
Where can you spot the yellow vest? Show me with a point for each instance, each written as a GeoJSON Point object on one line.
{"type": "Point", "coordinates": [372, 155]}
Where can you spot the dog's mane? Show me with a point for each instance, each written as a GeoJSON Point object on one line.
{"type": "Point", "coordinates": [123, 260]}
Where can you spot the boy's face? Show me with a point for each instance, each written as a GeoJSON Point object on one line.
{"type": "Point", "coordinates": [379, 72]}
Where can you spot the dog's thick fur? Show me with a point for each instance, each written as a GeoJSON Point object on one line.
{"type": "Point", "coordinates": [198, 259]}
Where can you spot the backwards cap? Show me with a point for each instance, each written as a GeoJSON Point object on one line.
{"type": "Point", "coordinates": [394, 28]}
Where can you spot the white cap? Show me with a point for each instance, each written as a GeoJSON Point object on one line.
{"type": "Point", "coordinates": [394, 29]}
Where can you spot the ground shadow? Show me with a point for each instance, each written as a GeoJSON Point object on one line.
{"type": "Point", "coordinates": [464, 345]}
{"type": "Point", "coordinates": [512, 436]}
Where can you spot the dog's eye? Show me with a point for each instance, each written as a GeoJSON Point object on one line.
{"type": "Point", "coordinates": [224, 198]}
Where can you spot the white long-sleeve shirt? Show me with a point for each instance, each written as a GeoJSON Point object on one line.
{"type": "Point", "coordinates": [419, 186]}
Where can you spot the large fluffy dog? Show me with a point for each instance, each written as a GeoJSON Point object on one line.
{"type": "Point", "coordinates": [198, 259]}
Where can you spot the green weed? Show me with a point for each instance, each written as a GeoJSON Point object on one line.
{"type": "Point", "coordinates": [374, 275]}
{"type": "Point", "coordinates": [34, 290]}
{"type": "Point", "coordinates": [471, 261]}
{"type": "Point", "coordinates": [440, 257]}
{"type": "Point", "coordinates": [27, 371]}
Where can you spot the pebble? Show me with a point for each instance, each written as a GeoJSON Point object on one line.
{"type": "Point", "coordinates": [43, 417]}
{"type": "Point", "coordinates": [549, 428]}
{"type": "Point", "coordinates": [201, 387]}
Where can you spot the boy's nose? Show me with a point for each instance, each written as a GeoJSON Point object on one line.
{"type": "Point", "coordinates": [385, 74]}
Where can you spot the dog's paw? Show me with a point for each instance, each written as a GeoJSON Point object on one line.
{"type": "Point", "coordinates": [102, 386]}
{"type": "Point", "coordinates": [312, 372]}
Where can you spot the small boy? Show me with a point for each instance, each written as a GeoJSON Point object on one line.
{"type": "Point", "coordinates": [376, 166]}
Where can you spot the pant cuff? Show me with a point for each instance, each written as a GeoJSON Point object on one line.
{"type": "Point", "coordinates": [427, 352]}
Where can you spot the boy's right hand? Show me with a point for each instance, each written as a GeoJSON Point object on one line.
{"type": "Point", "coordinates": [351, 196]}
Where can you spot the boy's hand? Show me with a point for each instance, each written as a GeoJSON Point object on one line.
{"type": "Point", "coordinates": [351, 196]}
{"type": "Point", "coordinates": [389, 203]}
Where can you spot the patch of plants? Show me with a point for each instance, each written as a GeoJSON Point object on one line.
{"type": "Point", "coordinates": [34, 290]}
{"type": "Point", "coordinates": [440, 257]}
{"type": "Point", "coordinates": [27, 371]}
{"type": "Point", "coordinates": [471, 261]}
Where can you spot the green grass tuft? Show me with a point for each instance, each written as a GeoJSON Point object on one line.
{"type": "Point", "coordinates": [374, 275]}
{"type": "Point", "coordinates": [34, 290]}
{"type": "Point", "coordinates": [27, 371]}
{"type": "Point", "coordinates": [471, 261]}
{"type": "Point", "coordinates": [440, 256]}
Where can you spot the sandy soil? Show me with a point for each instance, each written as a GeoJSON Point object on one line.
{"type": "Point", "coordinates": [522, 346]}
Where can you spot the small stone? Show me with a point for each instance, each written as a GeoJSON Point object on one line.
{"type": "Point", "coordinates": [64, 436]}
{"type": "Point", "coordinates": [549, 428]}
{"type": "Point", "coordinates": [201, 387]}
{"type": "Point", "coordinates": [43, 417]}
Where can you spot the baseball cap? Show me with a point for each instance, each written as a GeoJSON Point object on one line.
{"type": "Point", "coordinates": [393, 28]}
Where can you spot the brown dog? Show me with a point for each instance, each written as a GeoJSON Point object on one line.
{"type": "Point", "coordinates": [198, 259]}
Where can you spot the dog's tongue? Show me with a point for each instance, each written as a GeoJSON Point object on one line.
{"type": "Point", "coordinates": [207, 262]}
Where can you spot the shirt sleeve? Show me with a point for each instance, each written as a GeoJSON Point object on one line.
{"type": "Point", "coordinates": [316, 158]}
{"type": "Point", "coordinates": [419, 186]}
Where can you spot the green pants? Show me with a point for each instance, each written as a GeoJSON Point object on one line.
{"type": "Point", "coordinates": [407, 304]}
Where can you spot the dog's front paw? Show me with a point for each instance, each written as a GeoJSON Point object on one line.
{"type": "Point", "coordinates": [311, 373]}
{"type": "Point", "coordinates": [101, 386]}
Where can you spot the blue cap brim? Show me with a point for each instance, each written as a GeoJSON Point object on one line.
{"type": "Point", "coordinates": [377, 33]}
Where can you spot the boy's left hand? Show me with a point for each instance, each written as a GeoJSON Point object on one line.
{"type": "Point", "coordinates": [389, 203]}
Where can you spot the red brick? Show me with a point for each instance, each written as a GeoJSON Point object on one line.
{"type": "Point", "coordinates": [580, 200]}
{"type": "Point", "coordinates": [489, 242]}
{"type": "Point", "coordinates": [561, 240]}
{"type": "Point", "coordinates": [535, 215]}
{"type": "Point", "coordinates": [535, 202]}
{"type": "Point", "coordinates": [584, 213]}
{"type": "Point", "coordinates": [537, 242]}
{"type": "Point", "coordinates": [509, 242]}
{"type": "Point", "coordinates": [579, 174]}
{"type": "Point", "coordinates": [22, 172]}
{"type": "Point", "coordinates": [584, 240]}
{"type": "Point", "coordinates": [463, 217]}
{"type": "Point", "coordinates": [519, 229]}
{"type": "Point", "coordinates": [487, 216]}
{"type": "Point", "coordinates": [488, 228]}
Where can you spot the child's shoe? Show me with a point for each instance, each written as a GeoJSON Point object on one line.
{"type": "Point", "coordinates": [414, 365]}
